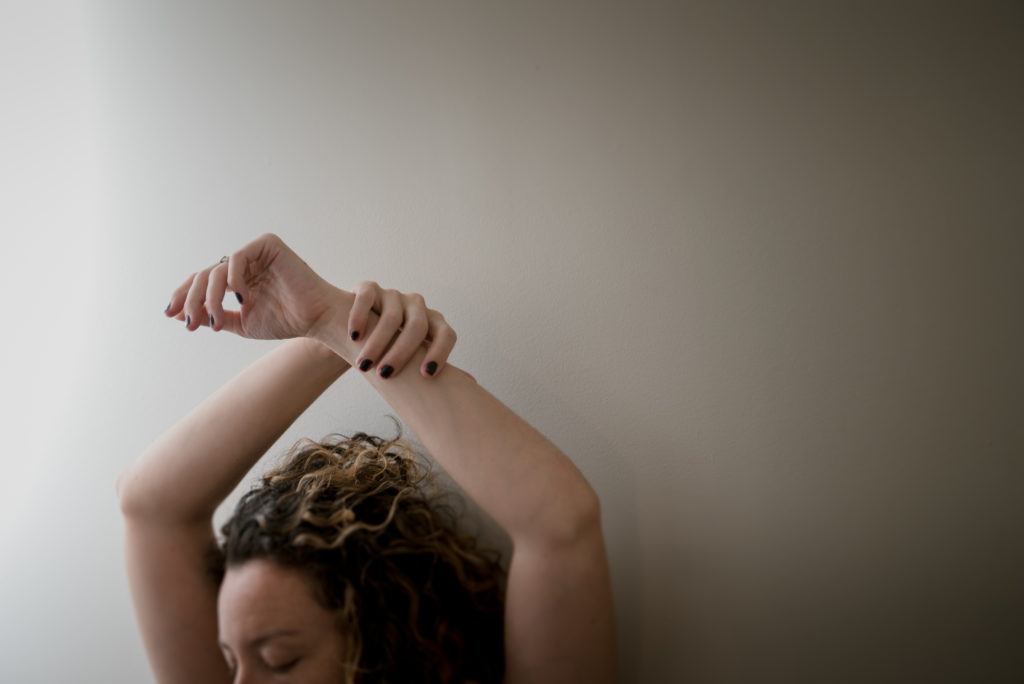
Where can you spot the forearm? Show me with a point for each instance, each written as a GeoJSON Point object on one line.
{"type": "Point", "coordinates": [519, 477]}
{"type": "Point", "coordinates": [185, 474]}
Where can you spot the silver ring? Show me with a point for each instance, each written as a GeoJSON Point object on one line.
{"type": "Point", "coordinates": [223, 259]}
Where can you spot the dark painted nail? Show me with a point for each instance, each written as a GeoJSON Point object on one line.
{"type": "Point", "coordinates": [211, 320]}
{"type": "Point", "coordinates": [238, 296]}
{"type": "Point", "coordinates": [167, 308]}
{"type": "Point", "coordinates": [365, 365]}
{"type": "Point", "coordinates": [431, 368]}
{"type": "Point", "coordinates": [188, 321]}
{"type": "Point", "coordinates": [355, 335]}
{"type": "Point", "coordinates": [386, 371]}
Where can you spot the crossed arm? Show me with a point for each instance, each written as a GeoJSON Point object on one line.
{"type": "Point", "coordinates": [559, 624]}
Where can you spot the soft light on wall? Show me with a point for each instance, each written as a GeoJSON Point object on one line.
{"type": "Point", "coordinates": [754, 270]}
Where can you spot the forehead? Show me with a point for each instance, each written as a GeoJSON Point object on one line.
{"type": "Point", "coordinates": [260, 595]}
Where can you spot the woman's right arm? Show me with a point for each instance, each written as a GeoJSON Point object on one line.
{"type": "Point", "coordinates": [168, 497]}
{"type": "Point", "coordinates": [183, 476]}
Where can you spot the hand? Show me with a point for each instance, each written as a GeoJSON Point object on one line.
{"type": "Point", "coordinates": [407, 316]}
{"type": "Point", "coordinates": [281, 296]}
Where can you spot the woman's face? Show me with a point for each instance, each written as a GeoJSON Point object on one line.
{"type": "Point", "coordinates": [273, 630]}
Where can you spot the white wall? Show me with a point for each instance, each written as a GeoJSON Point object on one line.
{"type": "Point", "coordinates": [756, 270]}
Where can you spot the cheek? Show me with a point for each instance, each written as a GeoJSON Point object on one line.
{"type": "Point", "coordinates": [329, 659]}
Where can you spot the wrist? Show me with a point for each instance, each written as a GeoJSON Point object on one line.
{"type": "Point", "coordinates": [329, 328]}
{"type": "Point", "coordinates": [320, 353]}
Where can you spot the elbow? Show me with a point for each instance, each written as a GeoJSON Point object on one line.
{"type": "Point", "coordinates": [573, 517]}
{"type": "Point", "coordinates": [132, 502]}
{"type": "Point", "coordinates": [121, 491]}
{"type": "Point", "coordinates": [141, 496]}
{"type": "Point", "coordinates": [586, 516]}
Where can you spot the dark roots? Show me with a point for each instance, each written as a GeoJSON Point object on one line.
{"type": "Point", "coordinates": [415, 600]}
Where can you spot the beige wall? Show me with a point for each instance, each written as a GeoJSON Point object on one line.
{"type": "Point", "coordinates": [758, 271]}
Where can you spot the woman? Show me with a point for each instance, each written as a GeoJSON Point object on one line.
{"type": "Point", "coordinates": [339, 567]}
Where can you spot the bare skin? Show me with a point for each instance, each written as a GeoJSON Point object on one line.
{"type": "Point", "coordinates": [271, 627]}
{"type": "Point", "coordinates": [559, 623]}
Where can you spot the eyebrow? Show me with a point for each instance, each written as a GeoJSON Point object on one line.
{"type": "Point", "coordinates": [260, 640]}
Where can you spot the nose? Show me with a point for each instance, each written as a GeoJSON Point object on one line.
{"type": "Point", "coordinates": [243, 676]}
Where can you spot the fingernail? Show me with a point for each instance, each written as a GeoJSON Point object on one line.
{"type": "Point", "coordinates": [188, 321]}
{"type": "Point", "coordinates": [238, 296]}
{"type": "Point", "coordinates": [167, 308]}
{"type": "Point", "coordinates": [386, 371]}
{"type": "Point", "coordinates": [365, 365]}
{"type": "Point", "coordinates": [355, 335]}
{"type": "Point", "coordinates": [431, 368]}
{"type": "Point", "coordinates": [211, 320]}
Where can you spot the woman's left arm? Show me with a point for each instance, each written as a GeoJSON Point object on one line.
{"type": "Point", "coordinates": [559, 618]}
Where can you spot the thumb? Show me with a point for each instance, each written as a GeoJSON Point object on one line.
{"type": "Point", "coordinates": [250, 261]}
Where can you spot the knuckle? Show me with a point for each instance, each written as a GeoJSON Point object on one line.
{"type": "Point", "coordinates": [391, 319]}
{"type": "Point", "coordinates": [445, 337]}
{"type": "Point", "coordinates": [417, 326]}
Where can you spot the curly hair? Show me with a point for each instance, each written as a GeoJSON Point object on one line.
{"type": "Point", "coordinates": [414, 600]}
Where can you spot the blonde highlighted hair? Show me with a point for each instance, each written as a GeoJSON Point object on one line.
{"type": "Point", "coordinates": [415, 600]}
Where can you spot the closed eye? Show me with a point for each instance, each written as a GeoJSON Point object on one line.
{"type": "Point", "coordinates": [281, 669]}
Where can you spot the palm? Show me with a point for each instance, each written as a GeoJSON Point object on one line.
{"type": "Point", "coordinates": [284, 296]}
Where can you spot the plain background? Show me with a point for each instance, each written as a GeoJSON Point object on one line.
{"type": "Point", "coordinates": [755, 267]}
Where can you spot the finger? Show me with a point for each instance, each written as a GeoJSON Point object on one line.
{"type": "Point", "coordinates": [215, 287]}
{"type": "Point", "coordinates": [442, 340]}
{"type": "Point", "coordinates": [391, 317]}
{"type": "Point", "coordinates": [230, 321]}
{"type": "Point", "coordinates": [368, 296]}
{"type": "Point", "coordinates": [195, 309]}
{"type": "Point", "coordinates": [174, 307]}
{"type": "Point", "coordinates": [414, 330]}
